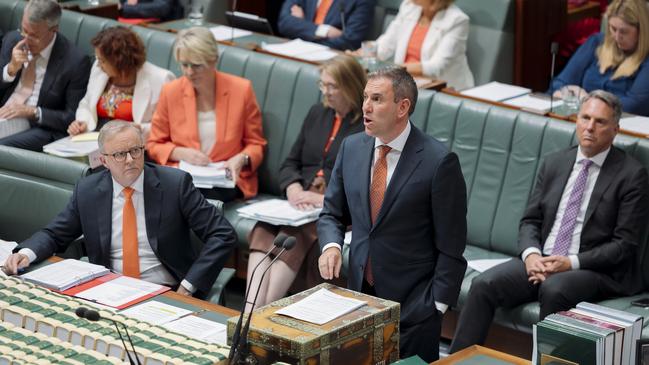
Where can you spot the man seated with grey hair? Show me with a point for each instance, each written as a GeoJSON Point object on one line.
{"type": "Point", "coordinates": [44, 76]}
{"type": "Point", "coordinates": [135, 219]}
{"type": "Point", "coordinates": [580, 234]}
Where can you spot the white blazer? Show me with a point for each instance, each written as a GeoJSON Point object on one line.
{"type": "Point", "coordinates": [443, 52]}
{"type": "Point", "coordinates": [148, 84]}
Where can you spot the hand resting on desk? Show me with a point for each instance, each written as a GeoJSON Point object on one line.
{"type": "Point", "coordinates": [15, 262]}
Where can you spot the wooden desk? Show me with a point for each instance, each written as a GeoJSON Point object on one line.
{"type": "Point", "coordinates": [476, 355]}
{"type": "Point", "coordinates": [588, 10]}
{"type": "Point", "coordinates": [104, 8]}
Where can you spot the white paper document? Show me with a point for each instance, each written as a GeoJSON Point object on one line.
{"type": "Point", "coordinates": [278, 212]}
{"type": "Point", "coordinates": [485, 264]}
{"type": "Point", "coordinates": [635, 124]}
{"type": "Point", "coordinates": [298, 48]}
{"type": "Point", "coordinates": [200, 329]}
{"type": "Point", "coordinates": [321, 307]}
{"type": "Point", "coordinates": [534, 103]}
{"type": "Point", "coordinates": [119, 291]}
{"type": "Point", "coordinates": [155, 312]}
{"type": "Point", "coordinates": [496, 91]}
{"type": "Point", "coordinates": [66, 147]}
{"type": "Point", "coordinates": [6, 249]}
{"type": "Point", "coordinates": [209, 176]}
{"type": "Point", "coordinates": [225, 33]}
{"type": "Point", "coordinates": [65, 274]}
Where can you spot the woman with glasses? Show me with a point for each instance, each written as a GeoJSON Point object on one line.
{"type": "Point", "coordinates": [208, 116]}
{"type": "Point", "coordinates": [304, 175]}
{"type": "Point", "coordinates": [616, 61]}
{"type": "Point", "coordinates": [122, 84]}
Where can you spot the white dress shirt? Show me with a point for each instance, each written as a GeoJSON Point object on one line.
{"type": "Point", "coordinates": [593, 174]}
{"type": "Point", "coordinates": [207, 130]}
{"type": "Point", "coordinates": [41, 66]}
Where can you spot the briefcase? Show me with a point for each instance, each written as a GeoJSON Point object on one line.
{"type": "Point", "coordinates": [367, 336]}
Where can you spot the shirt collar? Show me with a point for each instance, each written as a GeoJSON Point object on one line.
{"type": "Point", "coordinates": [598, 159]}
{"type": "Point", "coordinates": [397, 143]}
{"type": "Point", "coordinates": [138, 185]}
{"type": "Point", "coordinates": [47, 51]}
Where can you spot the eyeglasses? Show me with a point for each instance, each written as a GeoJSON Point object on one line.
{"type": "Point", "coordinates": [324, 86]}
{"type": "Point", "coordinates": [33, 36]}
{"type": "Point", "coordinates": [120, 156]}
{"type": "Point", "coordinates": [193, 66]}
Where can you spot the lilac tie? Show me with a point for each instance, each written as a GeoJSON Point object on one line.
{"type": "Point", "coordinates": [569, 220]}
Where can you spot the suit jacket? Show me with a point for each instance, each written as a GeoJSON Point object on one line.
{"type": "Point", "coordinates": [614, 228]}
{"type": "Point", "coordinates": [161, 9]}
{"type": "Point", "coordinates": [148, 83]}
{"type": "Point", "coordinates": [443, 52]}
{"type": "Point", "coordinates": [358, 16]}
{"type": "Point", "coordinates": [238, 125]}
{"type": "Point", "coordinates": [64, 83]}
{"type": "Point", "coordinates": [417, 241]}
{"type": "Point", "coordinates": [172, 206]}
{"type": "Point", "coordinates": [307, 155]}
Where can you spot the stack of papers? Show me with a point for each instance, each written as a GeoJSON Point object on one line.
{"type": "Point", "coordinates": [6, 249]}
{"type": "Point", "coordinates": [635, 124]}
{"type": "Point", "coordinates": [207, 177]}
{"type": "Point", "coordinates": [535, 103]}
{"type": "Point", "coordinates": [304, 50]}
{"type": "Point", "coordinates": [69, 147]}
{"type": "Point", "coordinates": [496, 91]}
{"type": "Point", "coordinates": [278, 212]}
{"type": "Point", "coordinates": [65, 274]}
{"type": "Point", "coordinates": [321, 307]}
{"type": "Point", "coordinates": [200, 329]}
{"type": "Point", "coordinates": [120, 292]}
{"type": "Point", "coordinates": [225, 33]}
{"type": "Point", "coordinates": [155, 312]}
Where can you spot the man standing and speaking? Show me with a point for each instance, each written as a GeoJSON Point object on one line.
{"type": "Point", "coordinates": [404, 195]}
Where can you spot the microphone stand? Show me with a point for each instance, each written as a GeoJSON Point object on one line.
{"type": "Point", "coordinates": [554, 49]}
{"type": "Point", "coordinates": [94, 316]}
{"type": "Point", "coordinates": [279, 243]}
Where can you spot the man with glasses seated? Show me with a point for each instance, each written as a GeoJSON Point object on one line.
{"type": "Point", "coordinates": [43, 78]}
{"type": "Point", "coordinates": [135, 219]}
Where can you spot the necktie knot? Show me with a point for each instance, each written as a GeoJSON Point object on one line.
{"type": "Point", "coordinates": [384, 150]}
{"type": "Point", "coordinates": [586, 163]}
{"type": "Point", "coordinates": [128, 192]}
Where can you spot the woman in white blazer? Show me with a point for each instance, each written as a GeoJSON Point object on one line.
{"type": "Point", "coordinates": [443, 50]}
{"type": "Point", "coordinates": [122, 84]}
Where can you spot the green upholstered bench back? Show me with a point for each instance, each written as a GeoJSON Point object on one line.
{"type": "Point", "coordinates": [35, 187]}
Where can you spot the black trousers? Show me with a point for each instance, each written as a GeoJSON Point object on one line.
{"type": "Point", "coordinates": [506, 286]}
{"type": "Point", "coordinates": [32, 139]}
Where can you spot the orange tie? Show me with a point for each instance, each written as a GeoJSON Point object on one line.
{"type": "Point", "coordinates": [377, 192]}
{"type": "Point", "coordinates": [332, 137]}
{"type": "Point", "coordinates": [130, 255]}
{"type": "Point", "coordinates": [26, 86]}
{"type": "Point", "coordinates": [322, 11]}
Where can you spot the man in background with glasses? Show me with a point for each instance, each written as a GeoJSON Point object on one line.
{"type": "Point", "coordinates": [44, 76]}
{"type": "Point", "coordinates": [135, 219]}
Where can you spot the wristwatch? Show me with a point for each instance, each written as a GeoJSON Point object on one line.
{"type": "Point", "coordinates": [246, 160]}
{"type": "Point", "coordinates": [37, 113]}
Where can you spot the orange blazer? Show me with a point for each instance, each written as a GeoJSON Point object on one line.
{"type": "Point", "coordinates": [238, 125]}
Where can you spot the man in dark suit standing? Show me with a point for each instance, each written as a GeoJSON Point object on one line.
{"type": "Point", "coordinates": [340, 24]}
{"type": "Point", "coordinates": [135, 219]}
{"type": "Point", "coordinates": [404, 195]}
{"type": "Point", "coordinates": [44, 76]}
{"type": "Point", "coordinates": [581, 232]}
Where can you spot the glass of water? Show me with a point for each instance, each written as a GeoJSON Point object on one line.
{"type": "Point", "coordinates": [368, 52]}
{"type": "Point", "coordinates": [571, 99]}
{"type": "Point", "coordinates": [195, 15]}
{"type": "Point", "coordinates": [93, 2]}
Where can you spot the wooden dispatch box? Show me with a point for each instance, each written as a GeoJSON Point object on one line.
{"type": "Point", "coordinates": [366, 336]}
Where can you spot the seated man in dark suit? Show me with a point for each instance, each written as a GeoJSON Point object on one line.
{"type": "Point", "coordinates": [44, 76]}
{"type": "Point", "coordinates": [340, 24]}
{"type": "Point", "coordinates": [160, 9]}
{"type": "Point", "coordinates": [135, 219]}
{"type": "Point", "coordinates": [580, 234]}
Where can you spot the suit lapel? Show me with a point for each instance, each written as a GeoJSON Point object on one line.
{"type": "Point", "coordinates": [152, 205]}
{"type": "Point", "coordinates": [366, 159]}
{"type": "Point", "coordinates": [104, 200]}
{"type": "Point", "coordinates": [191, 117]}
{"type": "Point", "coordinates": [606, 175]}
{"type": "Point", "coordinates": [408, 162]}
{"type": "Point", "coordinates": [141, 96]}
{"type": "Point", "coordinates": [222, 104]}
{"type": "Point", "coordinates": [52, 70]}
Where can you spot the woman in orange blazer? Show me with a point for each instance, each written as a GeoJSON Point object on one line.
{"type": "Point", "coordinates": [208, 116]}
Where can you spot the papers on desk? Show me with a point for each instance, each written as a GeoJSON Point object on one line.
{"type": "Point", "coordinates": [225, 33]}
{"type": "Point", "coordinates": [535, 103]}
{"type": "Point", "coordinates": [304, 50]}
{"type": "Point", "coordinates": [207, 177]}
{"type": "Point", "coordinates": [496, 91]}
{"type": "Point", "coordinates": [278, 212]}
{"type": "Point", "coordinates": [83, 146]}
{"type": "Point", "coordinates": [635, 124]}
{"type": "Point", "coordinates": [200, 329]}
{"type": "Point", "coordinates": [485, 264]}
{"type": "Point", "coordinates": [6, 249]}
{"type": "Point", "coordinates": [85, 137]}
{"type": "Point", "coordinates": [321, 307]}
{"type": "Point", "coordinates": [121, 292]}
{"type": "Point", "coordinates": [155, 312]}
{"type": "Point", "coordinates": [65, 274]}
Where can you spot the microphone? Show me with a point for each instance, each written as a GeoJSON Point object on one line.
{"type": "Point", "coordinates": [341, 7]}
{"type": "Point", "coordinates": [234, 9]}
{"type": "Point", "coordinates": [554, 49]}
{"type": "Point", "coordinates": [94, 316]}
{"type": "Point", "coordinates": [279, 243]}
{"type": "Point", "coordinates": [241, 353]}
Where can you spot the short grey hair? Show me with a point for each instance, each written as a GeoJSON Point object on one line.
{"type": "Point", "coordinates": [403, 85]}
{"type": "Point", "coordinates": [609, 99]}
{"type": "Point", "coordinates": [47, 11]}
{"type": "Point", "coordinates": [197, 44]}
{"type": "Point", "coordinates": [110, 129]}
